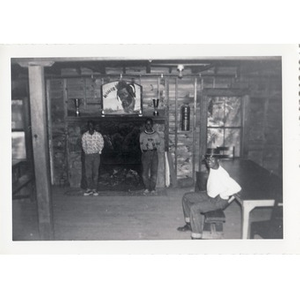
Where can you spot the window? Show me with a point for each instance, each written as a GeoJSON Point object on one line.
{"type": "Point", "coordinates": [18, 133]}
{"type": "Point", "coordinates": [224, 123]}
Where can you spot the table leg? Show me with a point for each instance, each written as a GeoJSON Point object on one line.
{"type": "Point", "coordinates": [247, 207]}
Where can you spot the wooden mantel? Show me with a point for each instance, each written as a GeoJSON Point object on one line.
{"type": "Point", "coordinates": [114, 118]}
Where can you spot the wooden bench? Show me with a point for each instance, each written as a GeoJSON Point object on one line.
{"type": "Point", "coordinates": [213, 222]}
{"type": "Point", "coordinates": [22, 182]}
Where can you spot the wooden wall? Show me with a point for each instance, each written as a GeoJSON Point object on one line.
{"type": "Point", "coordinates": [262, 132]}
{"type": "Point", "coordinates": [57, 131]}
{"type": "Point", "coordinates": [263, 126]}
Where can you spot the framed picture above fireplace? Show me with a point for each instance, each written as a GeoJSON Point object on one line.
{"type": "Point", "coordinates": [121, 97]}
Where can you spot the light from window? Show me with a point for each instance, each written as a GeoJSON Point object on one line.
{"type": "Point", "coordinates": [224, 121]}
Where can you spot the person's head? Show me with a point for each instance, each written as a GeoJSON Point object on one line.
{"type": "Point", "coordinates": [148, 124]}
{"type": "Point", "coordinates": [211, 159]}
{"type": "Point", "coordinates": [91, 126]}
{"type": "Point", "coordinates": [126, 94]}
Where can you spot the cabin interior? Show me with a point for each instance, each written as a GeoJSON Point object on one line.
{"type": "Point", "coordinates": [199, 104]}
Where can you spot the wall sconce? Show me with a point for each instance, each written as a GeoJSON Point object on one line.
{"type": "Point", "coordinates": [77, 103]}
{"type": "Point", "coordinates": [155, 105]}
{"type": "Point", "coordinates": [185, 117]}
{"type": "Point", "coordinates": [180, 69]}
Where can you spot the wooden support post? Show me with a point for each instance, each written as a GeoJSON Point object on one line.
{"type": "Point", "coordinates": [49, 121]}
{"type": "Point", "coordinates": [40, 150]}
{"type": "Point", "coordinates": [65, 99]}
{"type": "Point", "coordinates": [176, 125]}
{"type": "Point", "coordinates": [158, 88]}
{"type": "Point", "coordinates": [27, 129]}
{"type": "Point", "coordinates": [167, 115]}
{"type": "Point", "coordinates": [245, 127]}
{"type": "Point", "coordinates": [194, 126]}
{"type": "Point", "coordinates": [203, 128]}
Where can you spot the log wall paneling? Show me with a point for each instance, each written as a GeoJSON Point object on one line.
{"type": "Point", "coordinates": [256, 130]}
{"type": "Point", "coordinates": [246, 126]}
{"type": "Point", "coordinates": [203, 128]}
{"type": "Point", "coordinates": [198, 124]}
{"type": "Point", "coordinates": [173, 178]}
{"type": "Point", "coordinates": [58, 129]}
{"type": "Point", "coordinates": [181, 147]}
{"type": "Point", "coordinates": [50, 134]}
{"type": "Point", "coordinates": [272, 157]}
{"type": "Point", "coordinates": [75, 88]}
{"type": "Point", "coordinates": [160, 128]}
{"type": "Point", "coordinates": [66, 179]}
{"type": "Point", "coordinates": [150, 91]}
{"type": "Point", "coordinates": [158, 89]}
{"type": "Point", "coordinates": [167, 114]}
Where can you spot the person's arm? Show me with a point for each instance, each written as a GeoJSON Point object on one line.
{"type": "Point", "coordinates": [157, 141]}
{"type": "Point", "coordinates": [231, 188]}
{"type": "Point", "coordinates": [100, 143]}
{"type": "Point", "coordinates": [83, 143]}
{"type": "Point", "coordinates": [141, 142]}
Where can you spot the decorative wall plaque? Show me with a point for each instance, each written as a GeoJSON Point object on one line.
{"type": "Point", "coordinates": [121, 97]}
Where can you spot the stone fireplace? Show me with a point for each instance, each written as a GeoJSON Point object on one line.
{"type": "Point", "coordinates": [120, 163]}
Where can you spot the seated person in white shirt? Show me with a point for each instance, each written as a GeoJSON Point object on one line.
{"type": "Point", "coordinates": [220, 186]}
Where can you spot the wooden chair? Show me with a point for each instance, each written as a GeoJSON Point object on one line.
{"type": "Point", "coordinates": [226, 152]}
{"type": "Point", "coordinates": [213, 222]}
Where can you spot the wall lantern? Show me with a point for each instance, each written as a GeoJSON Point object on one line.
{"type": "Point", "coordinates": [155, 106]}
{"type": "Point", "coordinates": [180, 69]}
{"type": "Point", "coordinates": [185, 117]}
{"type": "Point", "coordinates": [77, 103]}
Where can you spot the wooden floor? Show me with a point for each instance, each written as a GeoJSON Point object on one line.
{"type": "Point", "coordinates": [119, 217]}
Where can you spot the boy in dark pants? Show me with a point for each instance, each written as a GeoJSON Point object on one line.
{"type": "Point", "coordinates": [220, 186]}
{"type": "Point", "coordinates": [92, 145]}
{"type": "Point", "coordinates": [149, 144]}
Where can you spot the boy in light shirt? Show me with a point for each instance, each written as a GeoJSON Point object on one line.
{"type": "Point", "coordinates": [220, 187]}
{"type": "Point", "coordinates": [92, 145]}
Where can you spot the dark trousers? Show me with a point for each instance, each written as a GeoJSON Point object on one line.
{"type": "Point", "coordinates": [194, 204]}
{"type": "Point", "coordinates": [92, 162]}
{"type": "Point", "coordinates": [150, 167]}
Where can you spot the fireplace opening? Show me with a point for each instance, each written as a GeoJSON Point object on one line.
{"type": "Point", "coordinates": [120, 165]}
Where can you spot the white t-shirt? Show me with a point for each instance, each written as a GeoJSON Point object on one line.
{"type": "Point", "coordinates": [220, 183]}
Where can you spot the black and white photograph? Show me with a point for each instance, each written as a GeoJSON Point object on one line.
{"type": "Point", "coordinates": [149, 151]}
{"type": "Point", "coordinates": [222, 108]}
{"type": "Point", "coordinates": [186, 148]}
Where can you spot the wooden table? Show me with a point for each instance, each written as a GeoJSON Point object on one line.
{"type": "Point", "coordinates": [260, 188]}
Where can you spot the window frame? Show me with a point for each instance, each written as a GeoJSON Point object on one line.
{"type": "Point", "coordinates": [224, 127]}
{"type": "Point", "coordinates": [25, 129]}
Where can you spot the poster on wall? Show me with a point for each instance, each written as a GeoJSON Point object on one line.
{"type": "Point", "coordinates": [121, 97]}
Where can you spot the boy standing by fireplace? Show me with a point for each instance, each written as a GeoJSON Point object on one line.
{"type": "Point", "coordinates": [149, 143]}
{"type": "Point", "coordinates": [92, 145]}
